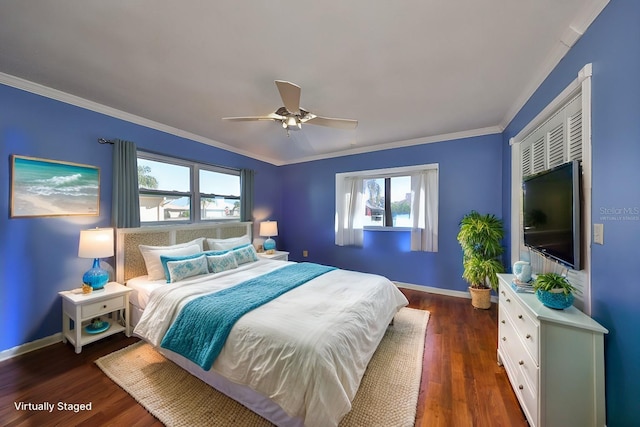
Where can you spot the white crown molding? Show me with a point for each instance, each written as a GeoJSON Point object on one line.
{"type": "Point", "coordinates": [562, 97]}
{"type": "Point", "coordinates": [406, 143]}
{"type": "Point", "coordinates": [575, 30]}
{"type": "Point", "coordinates": [77, 101]}
{"type": "Point", "coordinates": [587, 14]}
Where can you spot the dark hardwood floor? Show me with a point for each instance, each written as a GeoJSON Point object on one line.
{"type": "Point", "coordinates": [462, 385]}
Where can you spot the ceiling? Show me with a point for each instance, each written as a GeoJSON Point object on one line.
{"type": "Point", "coordinates": [410, 72]}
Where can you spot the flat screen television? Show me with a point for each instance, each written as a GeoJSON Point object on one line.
{"type": "Point", "coordinates": [551, 206]}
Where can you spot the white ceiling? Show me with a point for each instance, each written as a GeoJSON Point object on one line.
{"type": "Point", "coordinates": [409, 71]}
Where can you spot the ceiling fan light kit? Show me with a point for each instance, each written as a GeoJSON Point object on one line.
{"type": "Point", "coordinates": [291, 116]}
{"type": "Point", "coordinates": [292, 122]}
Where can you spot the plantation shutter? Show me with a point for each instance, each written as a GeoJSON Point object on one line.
{"type": "Point", "coordinates": [556, 141]}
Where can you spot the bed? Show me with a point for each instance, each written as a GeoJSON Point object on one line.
{"type": "Point", "coordinates": [296, 360]}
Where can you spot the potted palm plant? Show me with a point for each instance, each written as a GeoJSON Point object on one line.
{"type": "Point", "coordinates": [480, 237]}
{"type": "Point", "coordinates": [554, 290]}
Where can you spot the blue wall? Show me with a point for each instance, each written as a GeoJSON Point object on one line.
{"type": "Point", "coordinates": [470, 178]}
{"type": "Point", "coordinates": [611, 44]}
{"type": "Point", "coordinates": [38, 256]}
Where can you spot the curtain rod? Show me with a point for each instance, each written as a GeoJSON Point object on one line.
{"type": "Point", "coordinates": [106, 141]}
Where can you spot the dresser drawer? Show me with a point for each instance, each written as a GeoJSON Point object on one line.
{"type": "Point", "coordinates": [525, 326]}
{"type": "Point", "coordinates": [522, 371]}
{"type": "Point", "coordinates": [528, 367]}
{"type": "Point", "coordinates": [508, 340]}
{"type": "Point", "coordinates": [528, 330]}
{"type": "Point", "coordinates": [510, 347]}
{"type": "Point", "coordinates": [101, 307]}
{"type": "Point", "coordinates": [529, 399]}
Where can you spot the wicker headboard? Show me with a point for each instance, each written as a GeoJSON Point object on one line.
{"type": "Point", "coordinates": [129, 261]}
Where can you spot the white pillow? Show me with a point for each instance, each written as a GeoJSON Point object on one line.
{"type": "Point", "coordinates": [222, 262]}
{"type": "Point", "coordinates": [152, 254]}
{"type": "Point", "coordinates": [228, 244]}
{"type": "Point", "coordinates": [180, 268]}
{"type": "Point", "coordinates": [245, 254]}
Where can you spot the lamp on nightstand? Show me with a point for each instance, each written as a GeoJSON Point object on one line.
{"type": "Point", "coordinates": [96, 243]}
{"type": "Point", "coordinates": [269, 229]}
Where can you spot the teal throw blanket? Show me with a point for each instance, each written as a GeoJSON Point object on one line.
{"type": "Point", "coordinates": [203, 325]}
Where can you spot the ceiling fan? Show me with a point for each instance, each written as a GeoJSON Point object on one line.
{"type": "Point", "coordinates": [291, 116]}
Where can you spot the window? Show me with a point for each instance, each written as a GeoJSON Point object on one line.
{"type": "Point", "coordinates": [219, 195]}
{"type": "Point", "coordinates": [388, 199]}
{"type": "Point", "coordinates": [177, 190]}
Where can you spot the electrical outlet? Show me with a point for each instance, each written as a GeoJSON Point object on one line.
{"type": "Point", "coordinates": [598, 234]}
{"type": "Point", "coordinates": [305, 253]}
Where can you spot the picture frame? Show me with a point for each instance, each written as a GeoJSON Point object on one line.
{"type": "Point", "coordinates": [43, 188]}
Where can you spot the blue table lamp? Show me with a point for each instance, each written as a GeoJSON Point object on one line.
{"type": "Point", "coordinates": [269, 229]}
{"type": "Point", "coordinates": [96, 243]}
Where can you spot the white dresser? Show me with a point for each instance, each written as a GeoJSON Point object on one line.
{"type": "Point", "coordinates": [554, 360]}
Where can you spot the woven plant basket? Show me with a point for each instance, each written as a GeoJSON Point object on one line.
{"type": "Point", "coordinates": [480, 298]}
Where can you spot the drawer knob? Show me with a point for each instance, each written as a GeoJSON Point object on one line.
{"type": "Point", "coordinates": [503, 293]}
{"type": "Point", "coordinates": [528, 336]}
{"type": "Point", "coordinates": [521, 387]}
{"type": "Point", "coordinates": [504, 338]}
{"type": "Point", "coordinates": [503, 322]}
{"type": "Point", "coordinates": [104, 306]}
{"type": "Point", "coordinates": [508, 300]}
{"type": "Point", "coordinates": [519, 316]}
{"type": "Point", "coordinates": [521, 362]}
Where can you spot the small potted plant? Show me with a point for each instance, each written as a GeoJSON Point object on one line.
{"type": "Point", "coordinates": [480, 237]}
{"type": "Point", "coordinates": [554, 290]}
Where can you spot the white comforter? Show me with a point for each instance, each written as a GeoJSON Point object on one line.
{"type": "Point", "coordinates": [306, 350]}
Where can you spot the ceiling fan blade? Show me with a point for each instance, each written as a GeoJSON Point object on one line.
{"type": "Point", "coordinates": [333, 123]}
{"type": "Point", "coordinates": [271, 116]}
{"type": "Point", "coordinates": [290, 94]}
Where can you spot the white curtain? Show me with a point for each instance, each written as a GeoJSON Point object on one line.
{"type": "Point", "coordinates": [349, 211]}
{"type": "Point", "coordinates": [424, 210]}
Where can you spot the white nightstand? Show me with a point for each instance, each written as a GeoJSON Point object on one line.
{"type": "Point", "coordinates": [81, 308]}
{"type": "Point", "coordinates": [277, 255]}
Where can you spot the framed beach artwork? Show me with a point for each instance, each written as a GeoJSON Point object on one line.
{"type": "Point", "coordinates": [41, 187]}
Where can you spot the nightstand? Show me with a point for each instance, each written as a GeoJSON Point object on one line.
{"type": "Point", "coordinates": [81, 308]}
{"type": "Point", "coordinates": [277, 255]}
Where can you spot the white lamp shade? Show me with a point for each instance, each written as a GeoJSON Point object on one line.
{"type": "Point", "coordinates": [96, 243]}
{"type": "Point", "coordinates": [269, 228]}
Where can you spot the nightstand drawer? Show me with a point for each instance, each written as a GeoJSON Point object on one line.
{"type": "Point", "coordinates": [102, 307]}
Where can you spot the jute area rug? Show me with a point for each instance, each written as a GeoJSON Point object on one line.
{"type": "Point", "coordinates": [387, 396]}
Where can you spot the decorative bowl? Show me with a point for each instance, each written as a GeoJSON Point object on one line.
{"type": "Point", "coordinates": [557, 300]}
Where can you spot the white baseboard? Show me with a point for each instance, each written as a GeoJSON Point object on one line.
{"type": "Point", "coordinates": [30, 346]}
{"type": "Point", "coordinates": [438, 291]}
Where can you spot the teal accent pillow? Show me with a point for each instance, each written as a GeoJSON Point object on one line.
{"type": "Point", "coordinates": [245, 254]}
{"type": "Point", "coordinates": [180, 268]}
{"type": "Point", "coordinates": [221, 262]}
{"type": "Point", "coordinates": [209, 253]}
